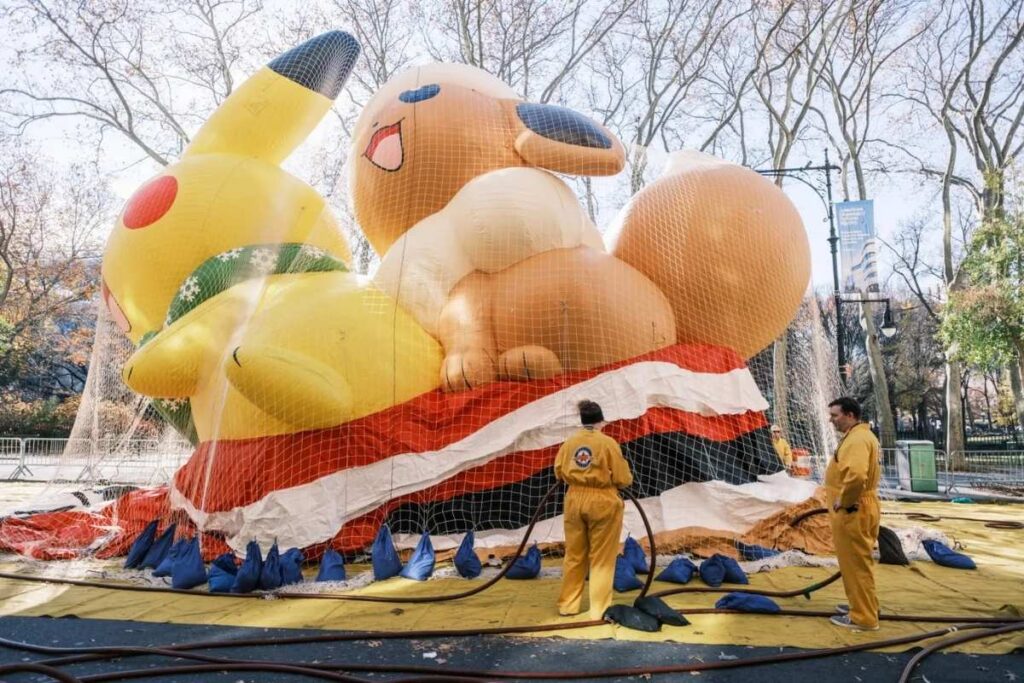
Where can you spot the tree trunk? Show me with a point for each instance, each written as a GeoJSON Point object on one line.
{"type": "Point", "coordinates": [1018, 393]}
{"type": "Point", "coordinates": [988, 403]}
{"type": "Point", "coordinates": [780, 383]}
{"type": "Point", "coordinates": [879, 382]}
{"type": "Point", "coordinates": [954, 416]}
{"type": "Point", "coordinates": [965, 397]}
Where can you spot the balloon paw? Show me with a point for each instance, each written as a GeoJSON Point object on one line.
{"type": "Point", "coordinates": [528, 362]}
{"type": "Point", "coordinates": [468, 369]}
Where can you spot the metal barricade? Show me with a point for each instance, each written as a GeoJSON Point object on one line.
{"type": "Point", "coordinates": [135, 461]}
{"type": "Point", "coordinates": [995, 471]}
{"type": "Point", "coordinates": [12, 454]}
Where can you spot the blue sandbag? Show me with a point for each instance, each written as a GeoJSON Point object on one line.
{"type": "Point", "coordinates": [220, 579]}
{"type": "Point", "coordinates": [421, 565]}
{"type": "Point", "coordinates": [189, 570]}
{"type": "Point", "coordinates": [942, 554]}
{"type": "Point", "coordinates": [680, 570]}
{"type": "Point", "coordinates": [625, 576]}
{"type": "Point", "coordinates": [712, 571]}
{"type": "Point", "coordinates": [386, 562]}
{"type": "Point", "coordinates": [634, 554]}
{"type": "Point", "coordinates": [527, 566]}
{"type": "Point", "coordinates": [248, 575]}
{"type": "Point", "coordinates": [167, 565]}
{"type": "Point", "coordinates": [752, 552]}
{"type": "Point", "coordinates": [467, 564]}
{"type": "Point", "coordinates": [745, 602]}
{"type": "Point", "coordinates": [158, 551]}
{"type": "Point", "coordinates": [733, 572]}
{"type": "Point", "coordinates": [141, 545]}
{"type": "Point", "coordinates": [270, 575]}
{"type": "Point", "coordinates": [291, 566]}
{"type": "Point", "coordinates": [226, 562]}
{"type": "Point", "coordinates": [332, 566]}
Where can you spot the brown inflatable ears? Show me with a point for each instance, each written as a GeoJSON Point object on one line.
{"type": "Point", "coordinates": [562, 140]}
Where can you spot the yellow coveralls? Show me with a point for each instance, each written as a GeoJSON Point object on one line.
{"type": "Point", "coordinates": [852, 479]}
{"type": "Point", "coordinates": [784, 451]}
{"type": "Point", "coordinates": [591, 463]}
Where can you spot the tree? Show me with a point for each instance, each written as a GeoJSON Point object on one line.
{"type": "Point", "coordinates": [984, 322]}
{"type": "Point", "coordinates": [915, 364]}
{"type": "Point", "coordinates": [50, 220]}
{"type": "Point", "coordinates": [387, 34]}
{"type": "Point", "coordinates": [670, 47]}
{"type": "Point", "coordinates": [785, 80]}
{"type": "Point", "coordinates": [871, 35]}
{"type": "Point", "coordinates": [534, 46]}
{"type": "Point", "coordinates": [923, 280]}
{"type": "Point", "coordinates": [964, 82]}
{"type": "Point", "coordinates": [147, 71]}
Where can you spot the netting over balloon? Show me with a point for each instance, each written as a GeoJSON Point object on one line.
{"type": "Point", "coordinates": [432, 393]}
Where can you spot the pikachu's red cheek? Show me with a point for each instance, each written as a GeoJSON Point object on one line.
{"type": "Point", "coordinates": [116, 314]}
{"type": "Point", "coordinates": [150, 202]}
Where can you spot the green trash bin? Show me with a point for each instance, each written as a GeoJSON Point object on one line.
{"type": "Point", "coordinates": [915, 466]}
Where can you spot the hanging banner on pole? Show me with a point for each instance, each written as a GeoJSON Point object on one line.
{"type": "Point", "coordinates": [858, 248]}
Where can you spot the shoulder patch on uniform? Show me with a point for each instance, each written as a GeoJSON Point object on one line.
{"type": "Point", "coordinates": [583, 457]}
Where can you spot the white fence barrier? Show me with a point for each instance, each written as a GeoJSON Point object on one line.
{"type": "Point", "coordinates": [149, 461]}
{"type": "Point", "coordinates": [999, 472]}
{"type": "Point", "coordinates": [138, 461]}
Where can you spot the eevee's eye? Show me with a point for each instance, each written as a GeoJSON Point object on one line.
{"type": "Point", "coordinates": [150, 202]}
{"type": "Point", "coordinates": [420, 94]}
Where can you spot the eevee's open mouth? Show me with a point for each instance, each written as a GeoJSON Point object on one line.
{"type": "Point", "coordinates": [385, 148]}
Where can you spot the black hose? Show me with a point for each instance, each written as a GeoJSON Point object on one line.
{"type": "Point", "coordinates": [650, 540]}
{"type": "Point", "coordinates": [805, 591]}
{"type": "Point", "coordinates": [218, 664]}
{"type": "Point", "coordinates": [943, 644]}
{"type": "Point", "coordinates": [326, 672]}
{"type": "Point", "coordinates": [226, 665]}
{"type": "Point", "coordinates": [108, 652]}
{"type": "Point", "coordinates": [810, 513]}
{"type": "Point", "coordinates": [310, 596]}
{"type": "Point", "coordinates": [36, 668]}
{"type": "Point", "coordinates": [361, 598]}
{"type": "Point", "coordinates": [1005, 524]}
{"type": "Point", "coordinates": [229, 665]}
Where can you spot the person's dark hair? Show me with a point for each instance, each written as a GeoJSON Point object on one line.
{"type": "Point", "coordinates": [590, 412]}
{"type": "Point", "coordinates": [847, 405]}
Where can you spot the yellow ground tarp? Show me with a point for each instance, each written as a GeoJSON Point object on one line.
{"type": "Point", "coordinates": [995, 589]}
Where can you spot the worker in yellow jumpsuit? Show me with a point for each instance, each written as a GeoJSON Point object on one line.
{"type": "Point", "coordinates": [591, 463]}
{"type": "Point", "coordinates": [851, 485]}
{"type": "Point", "coordinates": [782, 447]}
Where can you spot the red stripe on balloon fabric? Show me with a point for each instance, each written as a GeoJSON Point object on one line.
{"type": "Point", "coordinates": [250, 477]}
{"type": "Point", "coordinates": [229, 473]}
{"type": "Point", "coordinates": [516, 467]}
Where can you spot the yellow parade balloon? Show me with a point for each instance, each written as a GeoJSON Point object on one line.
{"type": "Point", "coordinates": [232, 275]}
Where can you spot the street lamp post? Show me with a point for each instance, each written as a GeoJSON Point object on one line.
{"type": "Point", "coordinates": [800, 174]}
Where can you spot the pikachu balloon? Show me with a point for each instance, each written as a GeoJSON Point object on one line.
{"type": "Point", "coordinates": [232, 276]}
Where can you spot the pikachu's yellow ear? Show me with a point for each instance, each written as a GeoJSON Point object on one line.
{"type": "Point", "coordinates": [272, 112]}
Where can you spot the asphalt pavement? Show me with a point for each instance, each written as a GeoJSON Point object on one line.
{"type": "Point", "coordinates": [492, 654]}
